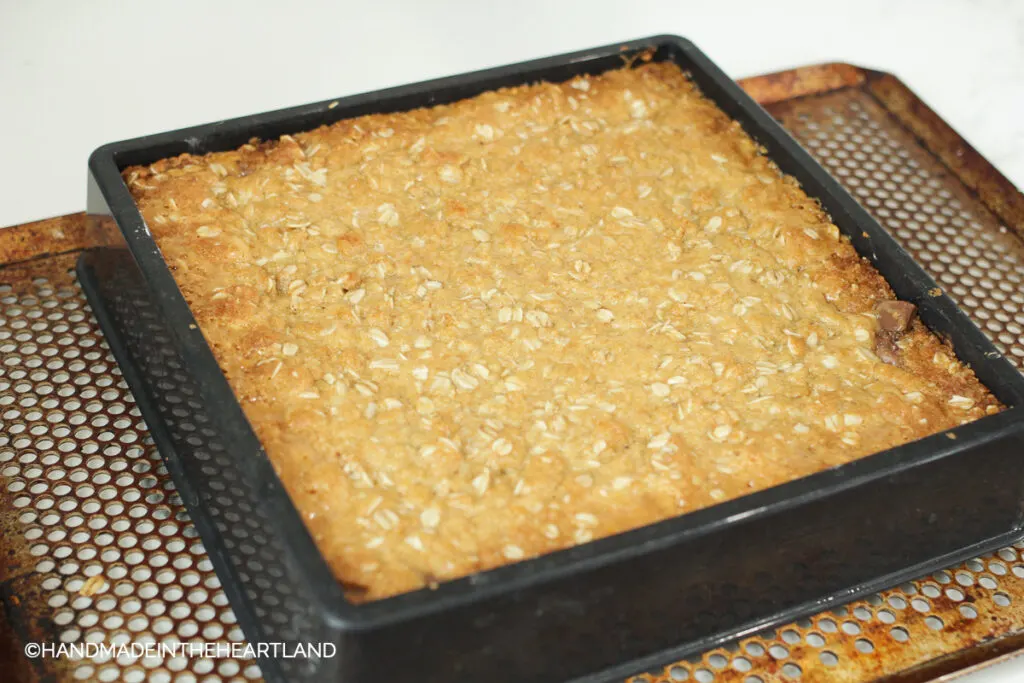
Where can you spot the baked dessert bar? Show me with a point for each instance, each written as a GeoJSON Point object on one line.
{"type": "Point", "coordinates": [483, 331]}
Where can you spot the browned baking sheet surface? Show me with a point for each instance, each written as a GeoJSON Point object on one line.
{"type": "Point", "coordinates": [84, 493]}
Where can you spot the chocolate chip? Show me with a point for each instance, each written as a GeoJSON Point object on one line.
{"type": "Point", "coordinates": [895, 316]}
{"type": "Point", "coordinates": [886, 349]}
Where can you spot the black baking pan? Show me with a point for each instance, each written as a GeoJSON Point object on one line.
{"type": "Point", "coordinates": [596, 612]}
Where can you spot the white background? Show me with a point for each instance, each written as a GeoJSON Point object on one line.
{"type": "Point", "coordinates": [77, 74]}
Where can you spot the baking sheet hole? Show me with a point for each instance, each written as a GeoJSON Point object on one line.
{"type": "Point", "coordinates": [827, 625]}
{"type": "Point", "coordinates": [828, 658]}
{"type": "Point", "coordinates": [864, 645]}
{"type": "Point", "coordinates": [987, 582]}
{"type": "Point", "coordinates": [1001, 599]}
{"type": "Point", "coordinates": [934, 623]}
{"type": "Point", "coordinates": [791, 670]}
{"type": "Point", "coordinates": [754, 649]}
{"type": "Point", "coordinates": [921, 605]}
{"type": "Point", "coordinates": [677, 673]}
{"type": "Point", "coordinates": [899, 634]}
{"type": "Point", "coordinates": [202, 666]}
{"type": "Point", "coordinates": [188, 629]}
{"type": "Point", "coordinates": [703, 676]}
{"type": "Point", "coordinates": [790, 637]}
{"type": "Point", "coordinates": [851, 628]}
{"type": "Point", "coordinates": [717, 661]}
{"type": "Point", "coordinates": [815, 640]}
{"type": "Point", "coordinates": [968, 611]}
{"type": "Point", "coordinates": [108, 674]}
{"type": "Point", "coordinates": [228, 668]}
{"type": "Point", "coordinates": [778, 652]}
{"type": "Point", "coordinates": [742, 664]}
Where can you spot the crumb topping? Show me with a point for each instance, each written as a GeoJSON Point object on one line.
{"type": "Point", "coordinates": [479, 332]}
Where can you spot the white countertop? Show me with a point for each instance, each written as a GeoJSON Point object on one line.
{"type": "Point", "coordinates": [75, 75]}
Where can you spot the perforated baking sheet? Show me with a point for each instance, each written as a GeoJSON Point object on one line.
{"type": "Point", "coordinates": [98, 547]}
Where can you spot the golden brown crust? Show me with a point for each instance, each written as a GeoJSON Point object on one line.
{"type": "Point", "coordinates": [484, 331]}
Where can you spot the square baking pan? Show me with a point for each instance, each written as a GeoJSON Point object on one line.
{"type": "Point", "coordinates": [598, 611]}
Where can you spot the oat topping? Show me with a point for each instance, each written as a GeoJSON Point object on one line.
{"type": "Point", "coordinates": [476, 333]}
